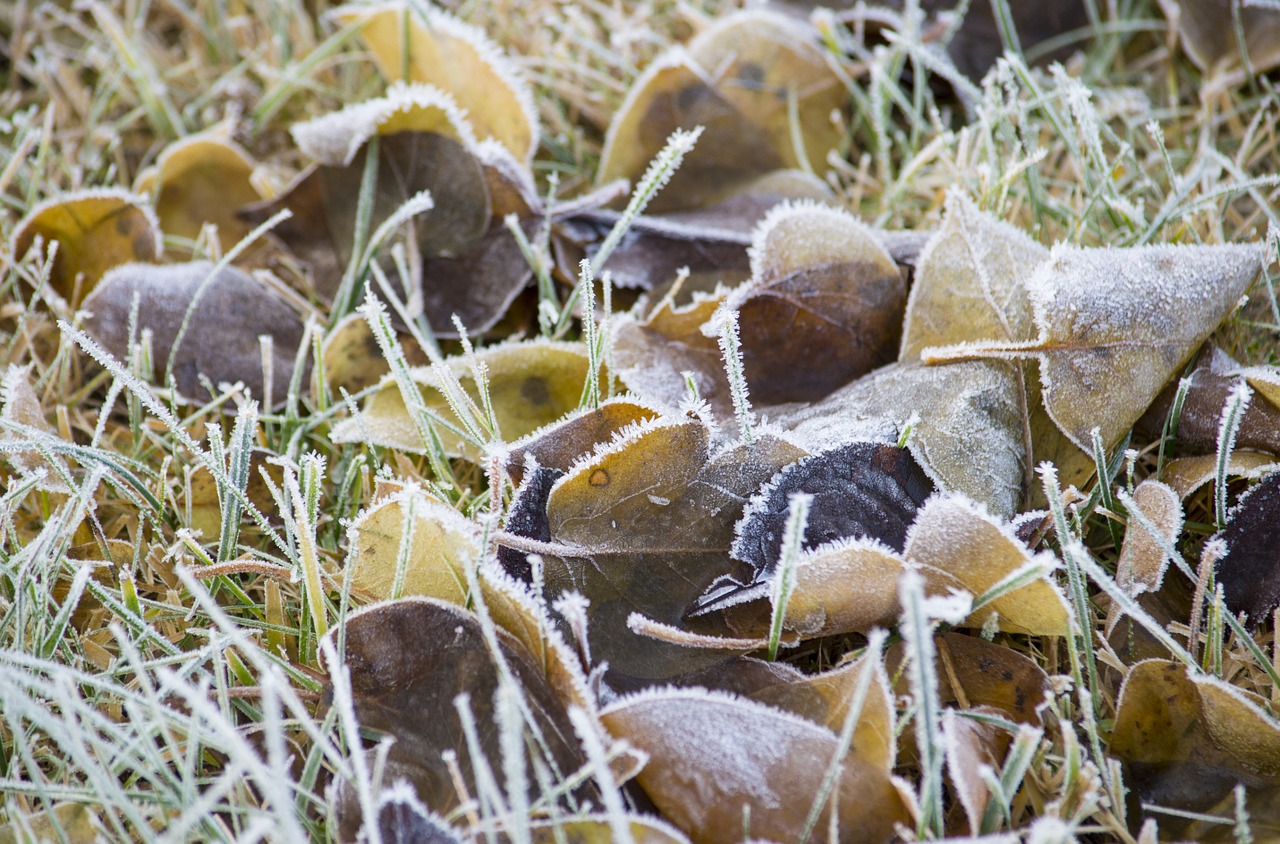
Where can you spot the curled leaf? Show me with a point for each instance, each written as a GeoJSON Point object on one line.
{"type": "Point", "coordinates": [224, 313]}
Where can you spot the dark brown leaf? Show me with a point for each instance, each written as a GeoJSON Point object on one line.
{"type": "Point", "coordinates": [1249, 572]}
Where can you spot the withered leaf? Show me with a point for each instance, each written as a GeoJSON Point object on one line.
{"type": "Point", "coordinates": [970, 745]}
{"type": "Point", "coordinates": [823, 306]}
{"type": "Point", "coordinates": [1142, 558]}
{"type": "Point", "coordinates": [402, 819]}
{"type": "Point", "coordinates": [532, 383]}
{"type": "Point", "coordinates": [527, 517]}
{"type": "Point", "coordinates": [739, 79]}
{"type": "Point", "coordinates": [21, 406]}
{"type": "Point", "coordinates": [973, 672]}
{"type": "Point", "coordinates": [598, 829]}
{"type": "Point", "coordinates": [407, 660]}
{"type": "Point", "coordinates": [96, 230]}
{"type": "Point", "coordinates": [843, 587]}
{"type": "Point", "coordinates": [1189, 738]}
{"type": "Point", "coordinates": [560, 444]}
{"type": "Point", "coordinates": [68, 822]}
{"type": "Point", "coordinates": [229, 311]}
{"type": "Point", "coordinates": [1209, 35]}
{"type": "Point", "coordinates": [1249, 572]}
{"type": "Point", "coordinates": [455, 57]}
{"type": "Point", "coordinates": [650, 519]}
{"type": "Point", "coordinates": [860, 490]}
{"type": "Point", "coordinates": [201, 179]}
{"type": "Point", "coordinates": [653, 351]}
{"type": "Point", "coordinates": [352, 359]}
{"type": "Point", "coordinates": [712, 757]}
{"type": "Point", "coordinates": [1187, 474]}
{"type": "Point", "coordinates": [1116, 324]}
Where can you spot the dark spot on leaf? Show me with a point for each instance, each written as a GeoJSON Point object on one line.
{"type": "Point", "coordinates": [534, 390]}
{"type": "Point", "coordinates": [599, 478]}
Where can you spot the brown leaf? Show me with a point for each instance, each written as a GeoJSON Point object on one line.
{"type": "Point", "coordinates": [823, 306]}
{"type": "Point", "coordinates": [407, 660]}
{"type": "Point", "coordinates": [1116, 324]}
{"type": "Point", "coordinates": [352, 358]}
{"type": "Point", "coordinates": [201, 179]}
{"type": "Point", "coordinates": [457, 58]}
{"type": "Point", "coordinates": [598, 829]}
{"type": "Point", "coordinates": [712, 757]}
{"type": "Point", "coordinates": [1142, 560]}
{"type": "Point", "coordinates": [403, 818]}
{"type": "Point", "coordinates": [738, 79]}
{"type": "Point", "coordinates": [1249, 572]}
{"type": "Point", "coordinates": [970, 745]}
{"type": "Point", "coordinates": [560, 444]}
{"type": "Point", "coordinates": [226, 313]}
{"type": "Point", "coordinates": [22, 407]}
{"type": "Point", "coordinates": [652, 353]}
{"type": "Point", "coordinates": [96, 230]}
{"type": "Point", "coordinates": [1209, 35]}
{"type": "Point", "coordinates": [71, 823]}
{"type": "Point", "coordinates": [1187, 474]}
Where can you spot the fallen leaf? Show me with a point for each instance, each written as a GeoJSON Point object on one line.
{"type": "Point", "coordinates": [455, 57]}
{"type": "Point", "coordinates": [1248, 573]}
{"type": "Point", "coordinates": [844, 587]}
{"type": "Point", "coordinates": [560, 444]}
{"type": "Point", "coordinates": [971, 745]}
{"type": "Point", "coordinates": [96, 230]}
{"type": "Point", "coordinates": [527, 517]}
{"type": "Point", "coordinates": [532, 383]}
{"type": "Point", "coordinates": [713, 757]}
{"type": "Point", "coordinates": [1188, 739]}
{"type": "Point", "coordinates": [71, 823]}
{"type": "Point", "coordinates": [225, 314]}
{"type": "Point", "coordinates": [823, 306]}
{"type": "Point", "coordinates": [205, 501]}
{"type": "Point", "coordinates": [1187, 474]}
{"type": "Point", "coordinates": [201, 179]}
{"type": "Point", "coordinates": [973, 672]}
{"type": "Point", "coordinates": [352, 359]}
{"type": "Point", "coordinates": [1142, 559]}
{"type": "Point", "coordinates": [21, 406]}
{"type": "Point", "coordinates": [599, 829]}
{"type": "Point", "coordinates": [1209, 34]}
{"type": "Point", "coordinates": [402, 819]}
{"type": "Point", "coordinates": [444, 544]}
{"type": "Point", "coordinates": [649, 519]}
{"type": "Point", "coordinates": [739, 79]}
{"type": "Point", "coordinates": [969, 428]}
{"type": "Point", "coordinates": [408, 660]}
{"type": "Point", "coordinates": [1116, 324]}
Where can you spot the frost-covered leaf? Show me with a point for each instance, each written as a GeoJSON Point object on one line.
{"type": "Point", "coordinates": [455, 57]}
{"type": "Point", "coordinates": [1142, 558]}
{"type": "Point", "coordinates": [954, 535]}
{"type": "Point", "coordinates": [969, 433]}
{"type": "Point", "coordinates": [225, 314]}
{"type": "Point", "coordinates": [204, 499]}
{"type": "Point", "coordinates": [21, 406]}
{"type": "Point", "coordinates": [1209, 35]}
{"type": "Point", "coordinates": [444, 544]}
{"type": "Point", "coordinates": [599, 829]}
{"type": "Point", "coordinates": [402, 819]}
{"type": "Point", "coordinates": [823, 306]}
{"type": "Point", "coordinates": [1188, 738]}
{"type": "Point", "coordinates": [713, 757]}
{"type": "Point", "coordinates": [352, 358]}
{"type": "Point", "coordinates": [71, 823]}
{"type": "Point", "coordinates": [652, 352]}
{"type": "Point", "coordinates": [972, 744]}
{"type": "Point", "coordinates": [532, 383]}
{"type": "Point", "coordinates": [408, 660]}
{"type": "Point", "coordinates": [201, 179]}
{"type": "Point", "coordinates": [1249, 572]}
{"type": "Point", "coordinates": [527, 517]}
{"type": "Point", "coordinates": [650, 521]}
{"type": "Point", "coordinates": [1187, 474]}
{"type": "Point", "coordinates": [739, 79]}
{"type": "Point", "coordinates": [96, 230]}
{"type": "Point", "coordinates": [845, 586]}
{"type": "Point", "coordinates": [560, 444]}
{"type": "Point", "coordinates": [1116, 324]}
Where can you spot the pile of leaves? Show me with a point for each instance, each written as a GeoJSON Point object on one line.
{"type": "Point", "coordinates": [845, 429]}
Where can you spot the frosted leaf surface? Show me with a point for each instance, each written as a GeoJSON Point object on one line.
{"type": "Point", "coordinates": [652, 353]}
{"type": "Point", "coordinates": [232, 311]}
{"type": "Point", "coordinates": [352, 358]}
{"type": "Point", "coordinates": [711, 754]}
{"type": "Point", "coordinates": [970, 745]}
{"type": "Point", "coordinates": [845, 587]}
{"type": "Point", "coordinates": [1249, 572]}
{"type": "Point", "coordinates": [1208, 34]}
{"type": "Point", "coordinates": [1142, 562]}
{"type": "Point", "coordinates": [1116, 324]}
{"type": "Point", "coordinates": [21, 406]}
{"type": "Point", "coordinates": [970, 433]}
{"type": "Point", "coordinates": [560, 444]}
{"type": "Point", "coordinates": [1187, 474]}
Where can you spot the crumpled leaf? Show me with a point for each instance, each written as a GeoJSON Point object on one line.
{"type": "Point", "coordinates": [650, 518]}
{"type": "Point", "coordinates": [407, 660]}
{"type": "Point", "coordinates": [229, 310]}
{"type": "Point", "coordinates": [532, 383]}
{"type": "Point", "coordinates": [738, 79]}
{"type": "Point", "coordinates": [1187, 474]}
{"type": "Point", "coordinates": [1208, 32]}
{"type": "Point", "coordinates": [1116, 324]}
{"type": "Point", "coordinates": [823, 306]}
{"type": "Point", "coordinates": [1188, 739]}
{"type": "Point", "coordinates": [201, 179]}
{"type": "Point", "coordinates": [425, 144]}
{"type": "Point", "coordinates": [96, 230]}
{"type": "Point", "coordinates": [455, 57]}
{"type": "Point", "coordinates": [1249, 573]}
{"type": "Point", "coordinates": [711, 755]}
{"type": "Point", "coordinates": [969, 433]}
{"type": "Point", "coordinates": [444, 544]}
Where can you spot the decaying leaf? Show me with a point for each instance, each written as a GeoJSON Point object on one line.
{"type": "Point", "coordinates": [1187, 474]}
{"type": "Point", "coordinates": [1189, 738]}
{"type": "Point", "coordinates": [352, 359]}
{"type": "Point", "coordinates": [1116, 324]}
{"type": "Point", "coordinates": [597, 829]}
{"type": "Point", "coordinates": [527, 518]}
{"type": "Point", "coordinates": [823, 306]}
{"type": "Point", "coordinates": [1142, 558]}
{"type": "Point", "coordinates": [860, 490]}
{"type": "Point", "coordinates": [560, 444]}
{"type": "Point", "coordinates": [652, 352]}
{"type": "Point", "coordinates": [650, 519]}
{"type": "Point", "coordinates": [224, 313]}
{"type": "Point", "coordinates": [845, 586]}
{"type": "Point", "coordinates": [713, 757]}
{"type": "Point", "coordinates": [973, 672]}
{"type": "Point", "coordinates": [204, 178]}
{"type": "Point", "coordinates": [444, 544]}
{"type": "Point", "coordinates": [972, 744]}
{"type": "Point", "coordinates": [417, 42]}
{"type": "Point", "coordinates": [1249, 572]}
{"type": "Point", "coordinates": [1208, 29]}
{"type": "Point", "coordinates": [742, 79]}
{"type": "Point", "coordinates": [408, 660]}
{"type": "Point", "coordinates": [531, 384]}
{"type": "Point", "coordinates": [969, 429]}
{"type": "Point", "coordinates": [96, 230]}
